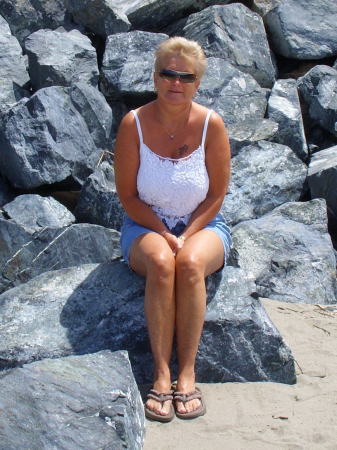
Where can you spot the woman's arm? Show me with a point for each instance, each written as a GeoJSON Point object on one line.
{"type": "Point", "coordinates": [218, 159]}
{"type": "Point", "coordinates": [126, 164]}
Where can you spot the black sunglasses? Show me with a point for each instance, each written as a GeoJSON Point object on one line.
{"type": "Point", "coordinates": [184, 77]}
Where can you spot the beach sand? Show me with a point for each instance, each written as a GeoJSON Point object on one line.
{"type": "Point", "coordinates": [270, 416]}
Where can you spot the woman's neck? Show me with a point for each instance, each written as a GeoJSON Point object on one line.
{"type": "Point", "coordinates": [171, 114]}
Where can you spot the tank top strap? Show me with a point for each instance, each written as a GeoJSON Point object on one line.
{"type": "Point", "coordinates": [139, 128]}
{"type": "Point", "coordinates": [204, 132]}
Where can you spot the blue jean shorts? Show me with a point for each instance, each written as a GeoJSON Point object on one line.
{"type": "Point", "coordinates": [131, 230]}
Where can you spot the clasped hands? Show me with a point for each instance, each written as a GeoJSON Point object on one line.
{"type": "Point", "coordinates": [175, 242]}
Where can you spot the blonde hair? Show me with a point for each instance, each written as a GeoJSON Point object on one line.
{"type": "Point", "coordinates": [185, 48]}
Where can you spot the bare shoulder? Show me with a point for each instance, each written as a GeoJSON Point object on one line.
{"type": "Point", "coordinates": [215, 121]}
{"type": "Point", "coordinates": [128, 122]}
{"type": "Point", "coordinates": [216, 130]}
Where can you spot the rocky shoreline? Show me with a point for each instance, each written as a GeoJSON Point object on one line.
{"type": "Point", "coordinates": [71, 312]}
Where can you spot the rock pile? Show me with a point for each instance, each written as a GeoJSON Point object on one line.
{"type": "Point", "coordinates": [70, 70]}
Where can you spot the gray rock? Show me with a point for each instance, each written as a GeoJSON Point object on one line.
{"type": "Point", "coordinates": [234, 316]}
{"type": "Point", "coordinates": [236, 34]}
{"type": "Point", "coordinates": [290, 254]}
{"type": "Point", "coordinates": [12, 238]}
{"type": "Point", "coordinates": [250, 131]}
{"type": "Point", "coordinates": [322, 180]}
{"type": "Point", "coordinates": [153, 15]}
{"type": "Point", "coordinates": [98, 202]}
{"type": "Point", "coordinates": [264, 175]}
{"type": "Point", "coordinates": [46, 140]}
{"type": "Point", "coordinates": [26, 16]}
{"type": "Point", "coordinates": [285, 109]}
{"type": "Point", "coordinates": [100, 120]}
{"type": "Point", "coordinates": [263, 6]}
{"type": "Point", "coordinates": [303, 29]}
{"type": "Point", "coordinates": [102, 17]}
{"type": "Point", "coordinates": [318, 88]}
{"type": "Point", "coordinates": [61, 59]}
{"type": "Point", "coordinates": [79, 402]}
{"type": "Point", "coordinates": [93, 307]}
{"type": "Point", "coordinates": [28, 255]}
{"type": "Point", "coordinates": [34, 212]}
{"type": "Point", "coordinates": [128, 62]}
{"type": "Point", "coordinates": [235, 95]}
{"type": "Point", "coordinates": [13, 72]}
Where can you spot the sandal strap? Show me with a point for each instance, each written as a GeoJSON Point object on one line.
{"type": "Point", "coordinates": [160, 397]}
{"type": "Point", "coordinates": [186, 397]}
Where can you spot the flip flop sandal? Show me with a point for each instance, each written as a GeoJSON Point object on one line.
{"type": "Point", "coordinates": [184, 398]}
{"type": "Point", "coordinates": [160, 397]}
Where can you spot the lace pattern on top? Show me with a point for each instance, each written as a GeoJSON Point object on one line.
{"type": "Point", "coordinates": [173, 188]}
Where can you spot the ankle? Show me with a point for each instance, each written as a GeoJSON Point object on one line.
{"type": "Point", "coordinates": [162, 380]}
{"type": "Point", "coordinates": [186, 382]}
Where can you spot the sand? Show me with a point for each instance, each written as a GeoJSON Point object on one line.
{"type": "Point", "coordinates": [270, 416]}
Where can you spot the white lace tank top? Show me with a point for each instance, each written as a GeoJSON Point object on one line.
{"type": "Point", "coordinates": [173, 188]}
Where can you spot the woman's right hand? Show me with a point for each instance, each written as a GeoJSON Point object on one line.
{"type": "Point", "coordinates": [173, 241]}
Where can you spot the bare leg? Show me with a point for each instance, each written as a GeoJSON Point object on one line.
{"type": "Point", "coordinates": [152, 257]}
{"type": "Point", "coordinates": [201, 255]}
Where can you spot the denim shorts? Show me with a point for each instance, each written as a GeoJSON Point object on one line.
{"type": "Point", "coordinates": [131, 230]}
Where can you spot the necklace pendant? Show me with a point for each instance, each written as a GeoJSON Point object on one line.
{"type": "Point", "coordinates": [171, 136]}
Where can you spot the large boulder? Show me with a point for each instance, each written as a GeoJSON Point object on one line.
{"type": "Point", "coordinates": [303, 29]}
{"type": "Point", "coordinates": [102, 17]}
{"type": "Point", "coordinates": [92, 307]}
{"type": "Point", "coordinates": [78, 402]}
{"type": "Point", "coordinates": [290, 254]}
{"type": "Point", "coordinates": [322, 181]}
{"type": "Point", "coordinates": [26, 16]}
{"type": "Point", "coordinates": [153, 15]}
{"type": "Point", "coordinates": [43, 212]}
{"type": "Point", "coordinates": [285, 109]}
{"type": "Point", "coordinates": [264, 175]}
{"type": "Point", "coordinates": [61, 59]}
{"type": "Point", "coordinates": [14, 77]}
{"type": "Point", "coordinates": [318, 88]}
{"type": "Point", "coordinates": [128, 62]}
{"type": "Point", "coordinates": [25, 255]}
{"type": "Point", "coordinates": [235, 95]}
{"type": "Point", "coordinates": [236, 34]}
{"type": "Point", "coordinates": [46, 139]}
{"type": "Point", "coordinates": [250, 131]}
{"type": "Point", "coordinates": [99, 118]}
{"type": "Point", "coordinates": [98, 202]}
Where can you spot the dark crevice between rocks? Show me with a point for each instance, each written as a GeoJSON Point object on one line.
{"type": "Point", "coordinates": [99, 44]}
{"type": "Point", "coordinates": [295, 68]}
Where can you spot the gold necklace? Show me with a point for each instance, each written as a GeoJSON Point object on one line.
{"type": "Point", "coordinates": [173, 135]}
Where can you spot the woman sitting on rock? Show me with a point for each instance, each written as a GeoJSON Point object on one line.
{"type": "Point", "coordinates": [172, 165]}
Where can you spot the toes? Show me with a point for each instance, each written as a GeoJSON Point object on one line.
{"type": "Point", "coordinates": [189, 406]}
{"type": "Point", "coordinates": [181, 408]}
{"type": "Point", "coordinates": [157, 408]}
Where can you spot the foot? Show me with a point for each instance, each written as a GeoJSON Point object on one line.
{"type": "Point", "coordinates": [186, 387]}
{"type": "Point", "coordinates": [156, 406]}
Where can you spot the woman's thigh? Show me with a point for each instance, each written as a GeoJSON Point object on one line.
{"type": "Point", "coordinates": [150, 251]}
{"type": "Point", "coordinates": [204, 248]}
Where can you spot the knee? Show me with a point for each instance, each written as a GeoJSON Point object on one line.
{"type": "Point", "coordinates": [160, 265]}
{"type": "Point", "coordinates": [190, 268]}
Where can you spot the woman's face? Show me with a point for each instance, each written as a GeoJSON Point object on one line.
{"type": "Point", "coordinates": [174, 90]}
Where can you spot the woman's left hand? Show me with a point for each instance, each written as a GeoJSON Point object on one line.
{"type": "Point", "coordinates": [176, 243]}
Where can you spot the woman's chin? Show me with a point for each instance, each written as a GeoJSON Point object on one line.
{"type": "Point", "coordinates": [175, 98]}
